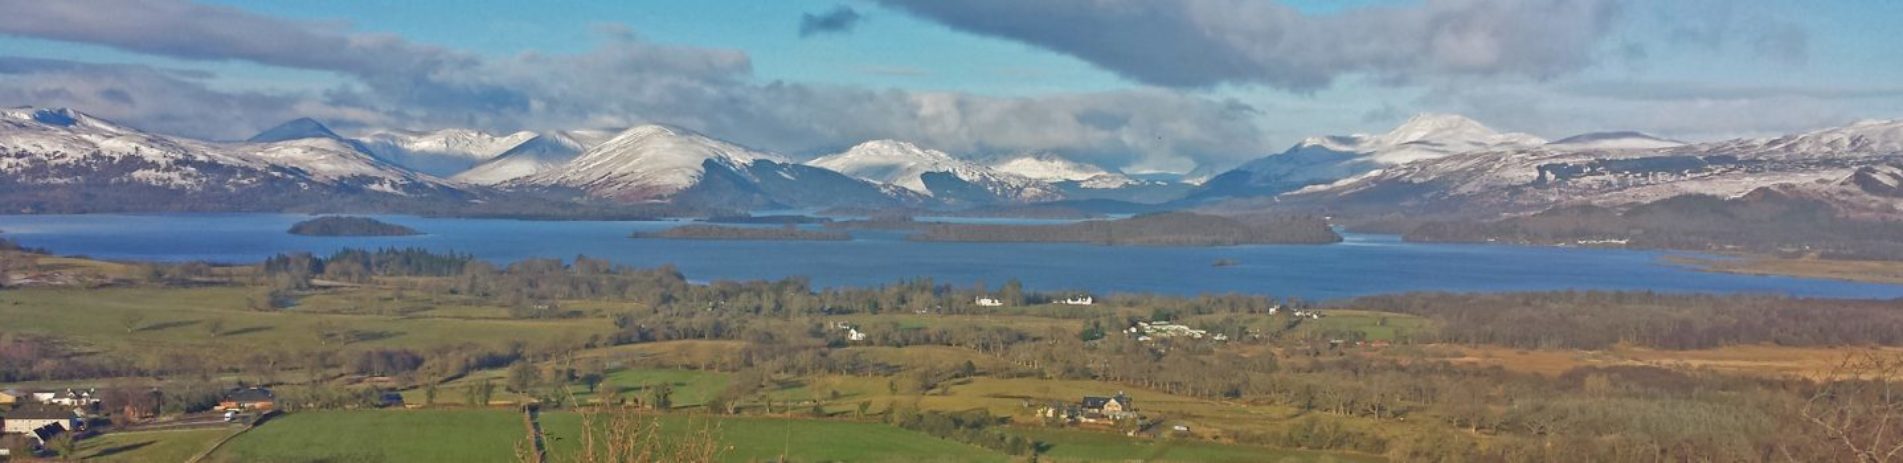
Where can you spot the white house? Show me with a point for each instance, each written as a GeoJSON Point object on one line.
{"type": "Point", "coordinates": [1080, 300]}
{"type": "Point", "coordinates": [989, 302]}
{"type": "Point", "coordinates": [75, 398]}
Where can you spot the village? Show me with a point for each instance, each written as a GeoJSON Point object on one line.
{"type": "Point", "coordinates": [47, 423]}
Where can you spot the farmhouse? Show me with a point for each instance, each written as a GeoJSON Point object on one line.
{"type": "Point", "coordinates": [9, 398]}
{"type": "Point", "coordinates": [1080, 300]}
{"type": "Point", "coordinates": [1111, 408]}
{"type": "Point", "coordinates": [248, 399]}
{"type": "Point", "coordinates": [989, 302]}
{"type": "Point", "coordinates": [39, 420]}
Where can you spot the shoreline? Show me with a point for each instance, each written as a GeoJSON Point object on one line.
{"type": "Point", "coordinates": [1860, 271]}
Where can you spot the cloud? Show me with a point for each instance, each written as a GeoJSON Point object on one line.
{"type": "Point", "coordinates": [839, 20]}
{"type": "Point", "coordinates": [1204, 43]}
{"type": "Point", "coordinates": [161, 100]}
{"type": "Point", "coordinates": [1682, 91]}
{"type": "Point", "coordinates": [192, 31]}
{"type": "Point", "coordinates": [623, 80]}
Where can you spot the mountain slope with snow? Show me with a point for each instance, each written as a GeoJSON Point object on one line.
{"type": "Point", "coordinates": [1532, 179]}
{"type": "Point", "coordinates": [665, 164]}
{"type": "Point", "coordinates": [1613, 141]}
{"type": "Point", "coordinates": [441, 152]}
{"type": "Point", "coordinates": [934, 173]}
{"type": "Point", "coordinates": [1322, 160]}
{"type": "Point", "coordinates": [535, 155]}
{"type": "Point", "coordinates": [64, 160]}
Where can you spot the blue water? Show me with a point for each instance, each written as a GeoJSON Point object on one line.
{"type": "Point", "coordinates": [1365, 264]}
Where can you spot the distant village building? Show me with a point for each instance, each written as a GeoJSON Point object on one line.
{"type": "Point", "coordinates": [989, 302]}
{"type": "Point", "coordinates": [852, 332]}
{"type": "Point", "coordinates": [248, 399]}
{"type": "Point", "coordinates": [75, 398]}
{"type": "Point", "coordinates": [1080, 300]}
{"type": "Point", "coordinates": [1093, 409]}
{"type": "Point", "coordinates": [1145, 331]}
{"type": "Point", "coordinates": [10, 397]}
{"type": "Point", "coordinates": [40, 421]}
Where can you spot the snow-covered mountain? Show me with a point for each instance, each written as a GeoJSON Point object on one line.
{"type": "Point", "coordinates": [654, 163]}
{"type": "Point", "coordinates": [63, 160]}
{"type": "Point", "coordinates": [535, 155]}
{"type": "Point", "coordinates": [935, 174]}
{"type": "Point", "coordinates": [441, 152]}
{"type": "Point", "coordinates": [1322, 160]}
{"type": "Point", "coordinates": [1051, 168]}
{"type": "Point", "coordinates": [1614, 141]}
{"type": "Point", "coordinates": [1531, 179]}
{"type": "Point", "coordinates": [313, 149]}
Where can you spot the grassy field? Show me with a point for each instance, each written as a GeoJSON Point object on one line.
{"type": "Point", "coordinates": [180, 318]}
{"type": "Point", "coordinates": [1890, 272]}
{"type": "Point", "coordinates": [149, 446]}
{"type": "Point", "coordinates": [1379, 326]}
{"type": "Point", "coordinates": [1075, 445]}
{"type": "Point", "coordinates": [491, 435]}
{"type": "Point", "coordinates": [382, 435]}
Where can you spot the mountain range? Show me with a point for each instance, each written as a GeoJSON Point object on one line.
{"type": "Point", "coordinates": [61, 160]}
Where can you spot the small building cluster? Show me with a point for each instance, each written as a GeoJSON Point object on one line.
{"type": "Point", "coordinates": [1079, 300]}
{"type": "Point", "coordinates": [39, 416]}
{"type": "Point", "coordinates": [990, 302]}
{"type": "Point", "coordinates": [1296, 313]}
{"type": "Point", "coordinates": [1092, 410]}
{"type": "Point", "coordinates": [1146, 331]}
{"type": "Point", "coordinates": [852, 332]}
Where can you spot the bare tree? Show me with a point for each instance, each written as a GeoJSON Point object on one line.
{"type": "Point", "coordinates": [1859, 408]}
{"type": "Point", "coordinates": [623, 434]}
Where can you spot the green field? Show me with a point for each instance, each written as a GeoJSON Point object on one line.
{"type": "Point", "coordinates": [381, 435]}
{"type": "Point", "coordinates": [1076, 445]}
{"type": "Point", "coordinates": [150, 446]}
{"type": "Point", "coordinates": [180, 319]}
{"type": "Point", "coordinates": [491, 435]}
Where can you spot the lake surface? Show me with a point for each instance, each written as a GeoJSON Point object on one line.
{"type": "Point", "coordinates": [1365, 264]}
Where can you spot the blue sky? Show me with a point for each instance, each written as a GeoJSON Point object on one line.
{"type": "Point", "coordinates": [1135, 84]}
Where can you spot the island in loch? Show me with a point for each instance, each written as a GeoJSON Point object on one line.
{"type": "Point", "coordinates": [350, 226]}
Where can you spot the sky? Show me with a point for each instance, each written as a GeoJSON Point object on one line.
{"type": "Point", "coordinates": [1138, 85]}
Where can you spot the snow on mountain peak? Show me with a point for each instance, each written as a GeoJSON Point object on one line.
{"type": "Point", "coordinates": [1050, 167]}
{"type": "Point", "coordinates": [62, 117]}
{"type": "Point", "coordinates": [1430, 126]}
{"type": "Point", "coordinates": [1624, 140]}
{"type": "Point", "coordinates": [543, 152]}
{"type": "Point", "coordinates": [905, 165]}
{"type": "Point", "coordinates": [648, 162]}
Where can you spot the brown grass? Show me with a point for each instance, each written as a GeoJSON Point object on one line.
{"type": "Point", "coordinates": [1760, 360]}
{"type": "Point", "coordinates": [1868, 271]}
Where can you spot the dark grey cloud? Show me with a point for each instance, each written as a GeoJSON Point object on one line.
{"type": "Point", "coordinates": [841, 19]}
{"type": "Point", "coordinates": [193, 31]}
{"type": "Point", "coordinates": [1202, 43]}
